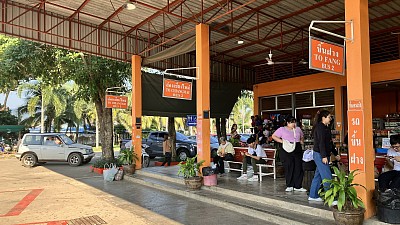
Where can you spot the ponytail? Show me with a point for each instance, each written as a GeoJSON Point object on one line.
{"type": "Point", "coordinates": [318, 118]}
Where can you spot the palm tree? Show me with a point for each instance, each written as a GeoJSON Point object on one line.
{"type": "Point", "coordinates": [242, 111]}
{"type": "Point", "coordinates": [48, 101]}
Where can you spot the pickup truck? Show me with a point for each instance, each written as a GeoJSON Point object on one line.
{"type": "Point", "coordinates": [184, 147]}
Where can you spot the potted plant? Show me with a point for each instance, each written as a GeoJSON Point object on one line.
{"type": "Point", "coordinates": [128, 158]}
{"type": "Point", "coordinates": [98, 165]}
{"type": "Point", "coordinates": [349, 209]}
{"type": "Point", "coordinates": [190, 170]}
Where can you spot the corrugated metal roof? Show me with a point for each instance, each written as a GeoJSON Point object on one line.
{"type": "Point", "coordinates": [277, 25]}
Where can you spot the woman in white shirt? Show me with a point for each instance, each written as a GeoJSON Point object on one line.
{"type": "Point", "coordinates": [391, 179]}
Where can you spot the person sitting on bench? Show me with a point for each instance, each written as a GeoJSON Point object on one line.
{"type": "Point", "coordinates": [391, 179]}
{"type": "Point", "coordinates": [225, 152]}
{"type": "Point", "coordinates": [253, 156]}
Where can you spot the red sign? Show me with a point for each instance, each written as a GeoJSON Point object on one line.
{"type": "Point", "coordinates": [356, 135]}
{"type": "Point", "coordinates": [116, 102]}
{"type": "Point", "coordinates": [177, 89]}
{"type": "Point", "coordinates": [326, 56]}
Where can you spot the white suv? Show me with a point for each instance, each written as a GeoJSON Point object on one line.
{"type": "Point", "coordinates": [47, 147]}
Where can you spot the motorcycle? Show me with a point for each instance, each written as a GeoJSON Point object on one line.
{"type": "Point", "coordinates": [145, 156]}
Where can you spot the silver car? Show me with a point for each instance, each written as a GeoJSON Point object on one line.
{"type": "Point", "coordinates": [48, 147]}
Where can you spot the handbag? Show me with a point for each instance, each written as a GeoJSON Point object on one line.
{"type": "Point", "coordinates": [288, 146]}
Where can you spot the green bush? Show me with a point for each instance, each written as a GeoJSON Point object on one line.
{"type": "Point", "coordinates": [190, 168]}
{"type": "Point", "coordinates": [100, 163]}
{"type": "Point", "coordinates": [342, 189]}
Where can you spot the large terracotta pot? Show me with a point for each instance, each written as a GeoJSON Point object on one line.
{"type": "Point", "coordinates": [354, 217]}
{"type": "Point", "coordinates": [194, 183]}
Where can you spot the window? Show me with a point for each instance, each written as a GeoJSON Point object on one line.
{"type": "Point", "coordinates": [284, 102]}
{"type": "Point", "coordinates": [324, 98]}
{"type": "Point", "coordinates": [32, 140]}
{"type": "Point", "coordinates": [49, 140]}
{"type": "Point", "coordinates": [268, 103]}
{"type": "Point", "coordinates": [304, 100]}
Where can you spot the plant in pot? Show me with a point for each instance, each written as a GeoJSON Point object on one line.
{"type": "Point", "coordinates": [349, 209]}
{"type": "Point", "coordinates": [128, 159]}
{"type": "Point", "coordinates": [190, 170]}
{"type": "Point", "coordinates": [98, 165]}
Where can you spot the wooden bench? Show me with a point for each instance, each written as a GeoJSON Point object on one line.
{"type": "Point", "coordinates": [270, 159]}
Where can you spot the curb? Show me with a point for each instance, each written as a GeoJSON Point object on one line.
{"type": "Point", "coordinates": [233, 207]}
{"type": "Point", "coordinates": [322, 213]}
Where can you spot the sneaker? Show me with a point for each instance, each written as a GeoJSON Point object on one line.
{"type": "Point", "coordinates": [315, 199]}
{"type": "Point", "coordinates": [300, 189]}
{"type": "Point", "coordinates": [254, 178]}
{"type": "Point", "coordinates": [289, 189]}
{"type": "Point", "coordinates": [243, 177]}
{"type": "Point", "coordinates": [334, 203]}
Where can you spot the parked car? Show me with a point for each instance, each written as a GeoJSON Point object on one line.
{"type": "Point", "coordinates": [214, 144]}
{"type": "Point", "coordinates": [184, 146]}
{"type": "Point", "coordinates": [46, 147]}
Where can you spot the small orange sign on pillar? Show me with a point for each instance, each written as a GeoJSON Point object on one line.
{"type": "Point", "coordinates": [355, 135]}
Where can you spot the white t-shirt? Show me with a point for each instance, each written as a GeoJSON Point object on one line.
{"type": "Point", "coordinates": [259, 151]}
{"type": "Point", "coordinates": [392, 152]}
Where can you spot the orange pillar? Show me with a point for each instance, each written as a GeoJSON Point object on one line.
{"type": "Point", "coordinates": [203, 93]}
{"type": "Point", "coordinates": [137, 108]}
{"type": "Point", "coordinates": [256, 100]}
{"type": "Point", "coordinates": [339, 110]}
{"type": "Point", "coordinates": [361, 152]}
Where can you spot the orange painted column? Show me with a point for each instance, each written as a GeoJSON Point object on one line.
{"type": "Point", "coordinates": [256, 101]}
{"type": "Point", "coordinates": [203, 93]}
{"type": "Point", "coordinates": [137, 108]}
{"type": "Point", "coordinates": [339, 110]}
{"type": "Point", "coordinates": [361, 151]}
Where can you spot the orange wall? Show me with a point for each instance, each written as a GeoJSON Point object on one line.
{"type": "Point", "coordinates": [379, 72]}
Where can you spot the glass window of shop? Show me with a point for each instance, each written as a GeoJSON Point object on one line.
{"type": "Point", "coordinates": [276, 108]}
{"type": "Point", "coordinates": [304, 106]}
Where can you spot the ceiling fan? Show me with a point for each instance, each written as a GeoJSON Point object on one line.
{"type": "Point", "coordinates": [270, 62]}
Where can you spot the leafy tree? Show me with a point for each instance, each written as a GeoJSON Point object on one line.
{"type": "Point", "coordinates": [94, 75]}
{"type": "Point", "coordinates": [6, 118]}
{"type": "Point", "coordinates": [243, 110]}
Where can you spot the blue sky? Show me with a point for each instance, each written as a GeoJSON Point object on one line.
{"type": "Point", "coordinates": [13, 100]}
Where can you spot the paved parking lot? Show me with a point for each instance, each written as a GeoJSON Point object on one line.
{"type": "Point", "coordinates": [57, 193]}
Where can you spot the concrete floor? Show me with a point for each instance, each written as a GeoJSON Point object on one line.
{"type": "Point", "coordinates": [74, 192]}
{"type": "Point", "coordinates": [268, 187]}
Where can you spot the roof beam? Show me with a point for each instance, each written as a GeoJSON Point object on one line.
{"type": "Point", "coordinates": [372, 34]}
{"type": "Point", "coordinates": [371, 5]}
{"type": "Point", "coordinates": [192, 17]}
{"type": "Point", "coordinates": [173, 4]}
{"type": "Point", "coordinates": [78, 10]}
{"type": "Point", "coordinates": [319, 4]}
{"type": "Point", "coordinates": [247, 13]}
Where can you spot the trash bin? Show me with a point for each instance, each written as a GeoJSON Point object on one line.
{"type": "Point", "coordinates": [388, 206]}
{"type": "Point", "coordinates": [209, 176]}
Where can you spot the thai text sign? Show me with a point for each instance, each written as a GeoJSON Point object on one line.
{"type": "Point", "coordinates": [356, 135]}
{"type": "Point", "coordinates": [177, 89]}
{"type": "Point", "coordinates": [326, 56]}
{"type": "Point", "coordinates": [116, 102]}
{"type": "Point", "coordinates": [199, 139]}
